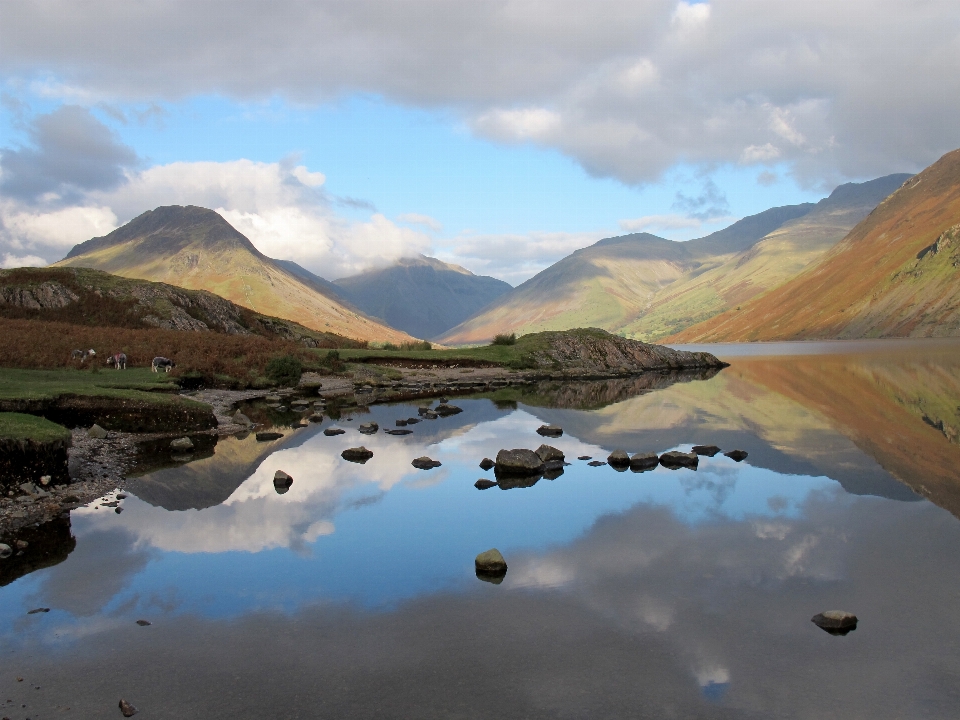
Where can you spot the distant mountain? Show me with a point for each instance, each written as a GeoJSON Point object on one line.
{"type": "Point", "coordinates": [195, 248]}
{"type": "Point", "coordinates": [422, 296]}
{"type": "Point", "coordinates": [894, 275]}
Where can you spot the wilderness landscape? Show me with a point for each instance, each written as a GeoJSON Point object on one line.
{"type": "Point", "coordinates": [509, 360]}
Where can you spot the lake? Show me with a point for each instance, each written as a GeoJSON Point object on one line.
{"type": "Point", "coordinates": [668, 593]}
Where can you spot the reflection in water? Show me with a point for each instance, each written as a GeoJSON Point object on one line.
{"type": "Point", "coordinates": [668, 593]}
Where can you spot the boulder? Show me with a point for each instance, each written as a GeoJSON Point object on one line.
{"type": "Point", "coordinates": [97, 432]}
{"type": "Point", "coordinates": [491, 562]}
{"type": "Point", "coordinates": [127, 709]}
{"type": "Point", "coordinates": [357, 454]}
{"type": "Point", "coordinates": [835, 622]}
{"type": "Point", "coordinates": [518, 462]}
{"type": "Point", "coordinates": [281, 479]}
{"type": "Point", "coordinates": [708, 450]}
{"type": "Point", "coordinates": [618, 458]}
{"type": "Point", "coordinates": [369, 428]}
{"type": "Point", "coordinates": [736, 455]}
{"type": "Point", "coordinates": [675, 459]}
{"type": "Point", "coordinates": [330, 431]}
{"type": "Point", "coordinates": [484, 484]}
{"type": "Point", "coordinates": [644, 461]}
{"type": "Point", "coordinates": [486, 464]}
{"type": "Point", "coordinates": [550, 430]}
{"type": "Point", "coordinates": [401, 423]}
{"type": "Point", "coordinates": [399, 431]}
{"type": "Point", "coordinates": [183, 443]}
{"type": "Point", "coordinates": [267, 436]}
{"type": "Point", "coordinates": [548, 453]}
{"type": "Point", "coordinates": [240, 419]}
{"type": "Point", "coordinates": [444, 410]}
{"type": "Point", "coordinates": [421, 411]}
{"type": "Point", "coordinates": [425, 463]}
{"type": "Point", "coordinates": [412, 421]}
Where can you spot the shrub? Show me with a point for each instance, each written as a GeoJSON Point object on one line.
{"type": "Point", "coordinates": [333, 362]}
{"type": "Point", "coordinates": [285, 370]}
{"type": "Point", "coordinates": [504, 339]}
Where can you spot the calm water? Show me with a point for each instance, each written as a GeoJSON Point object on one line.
{"type": "Point", "coordinates": [682, 594]}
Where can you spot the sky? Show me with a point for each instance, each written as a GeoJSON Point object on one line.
{"type": "Point", "coordinates": [499, 135]}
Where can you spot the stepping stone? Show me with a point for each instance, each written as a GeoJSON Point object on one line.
{"type": "Point", "coordinates": [618, 458]}
{"type": "Point", "coordinates": [675, 459]}
{"type": "Point", "coordinates": [399, 432]}
{"type": "Point", "coordinates": [585, 457]}
{"type": "Point", "coordinates": [708, 450]}
{"type": "Point", "coordinates": [550, 430]}
{"type": "Point", "coordinates": [835, 622]}
{"type": "Point", "coordinates": [596, 463]}
{"type": "Point", "coordinates": [736, 455]}
{"type": "Point", "coordinates": [425, 463]}
{"type": "Point", "coordinates": [644, 461]}
{"type": "Point", "coordinates": [357, 454]}
{"type": "Point", "coordinates": [333, 431]}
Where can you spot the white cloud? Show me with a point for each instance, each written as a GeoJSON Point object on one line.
{"type": "Point", "coordinates": [659, 223]}
{"type": "Point", "coordinates": [759, 154]}
{"type": "Point", "coordinates": [12, 261]}
{"type": "Point", "coordinates": [418, 219]}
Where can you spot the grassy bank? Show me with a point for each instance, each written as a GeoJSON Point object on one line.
{"type": "Point", "coordinates": [515, 355]}
{"type": "Point", "coordinates": [18, 426]}
{"type": "Point", "coordinates": [133, 384]}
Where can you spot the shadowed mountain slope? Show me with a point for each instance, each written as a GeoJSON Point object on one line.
{"type": "Point", "coordinates": [422, 296]}
{"type": "Point", "coordinates": [195, 248]}
{"type": "Point", "coordinates": [894, 275]}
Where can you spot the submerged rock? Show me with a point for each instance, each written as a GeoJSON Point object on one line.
{"type": "Point", "coordinates": [357, 454]}
{"type": "Point", "coordinates": [401, 423]}
{"type": "Point", "coordinates": [486, 464]}
{"type": "Point", "coordinates": [736, 455]}
{"type": "Point", "coordinates": [675, 459]}
{"type": "Point", "coordinates": [618, 459]}
{"type": "Point", "coordinates": [596, 463]}
{"type": "Point", "coordinates": [835, 622]}
{"type": "Point", "coordinates": [644, 461]}
{"type": "Point", "coordinates": [707, 450]}
{"type": "Point", "coordinates": [183, 443]}
{"type": "Point", "coordinates": [518, 462]}
{"type": "Point", "coordinates": [266, 436]}
{"type": "Point", "coordinates": [97, 432]}
{"type": "Point", "coordinates": [333, 431]}
{"type": "Point", "coordinates": [491, 562]}
{"type": "Point", "coordinates": [127, 709]}
{"type": "Point", "coordinates": [412, 421]}
{"type": "Point", "coordinates": [425, 463]}
{"type": "Point", "coordinates": [484, 484]}
{"type": "Point", "coordinates": [399, 431]}
{"type": "Point", "coordinates": [550, 430]}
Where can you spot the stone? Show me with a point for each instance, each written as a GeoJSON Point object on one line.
{"type": "Point", "coordinates": [835, 622]}
{"type": "Point", "coordinates": [316, 418]}
{"type": "Point", "coordinates": [401, 423]}
{"type": "Point", "coordinates": [443, 400]}
{"type": "Point", "coordinates": [118, 510]}
{"type": "Point", "coordinates": [330, 431]}
{"type": "Point", "coordinates": [486, 464]}
{"type": "Point", "coordinates": [708, 450]}
{"type": "Point", "coordinates": [618, 458]}
{"type": "Point", "coordinates": [183, 443]}
{"type": "Point", "coordinates": [412, 421]}
{"type": "Point", "coordinates": [22, 544]}
{"type": "Point", "coordinates": [585, 457]}
{"type": "Point", "coordinates": [297, 425]}
{"type": "Point", "coordinates": [596, 463]}
{"type": "Point", "coordinates": [425, 463]}
{"type": "Point", "coordinates": [272, 398]}
{"type": "Point", "coordinates": [281, 408]}
{"type": "Point", "coordinates": [38, 610]}
{"type": "Point", "coordinates": [484, 484]}
{"type": "Point", "coordinates": [430, 416]}
{"type": "Point", "coordinates": [421, 411]}
{"type": "Point", "coordinates": [5, 551]}
{"type": "Point", "coordinates": [518, 462]}
{"type": "Point", "coordinates": [675, 459]}
{"type": "Point", "coordinates": [143, 623]}
{"type": "Point", "coordinates": [46, 479]}
{"type": "Point", "coordinates": [300, 402]}
{"type": "Point", "coordinates": [399, 431]}
{"type": "Point", "coordinates": [736, 455]}
{"type": "Point", "coordinates": [548, 453]}
{"type": "Point", "coordinates": [267, 436]}
{"type": "Point", "coordinates": [490, 562]}
{"type": "Point", "coordinates": [357, 454]}
{"type": "Point", "coordinates": [28, 488]}
{"type": "Point", "coordinates": [281, 479]}
{"type": "Point", "coordinates": [369, 428]}
{"type": "Point", "coordinates": [127, 709]}
{"type": "Point", "coordinates": [240, 419]}
{"type": "Point", "coordinates": [97, 432]}
{"type": "Point", "coordinates": [120, 496]}
{"type": "Point", "coordinates": [644, 461]}
{"type": "Point", "coordinates": [444, 410]}
{"type": "Point", "coordinates": [550, 430]}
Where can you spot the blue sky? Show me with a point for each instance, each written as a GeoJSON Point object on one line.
{"type": "Point", "coordinates": [498, 136]}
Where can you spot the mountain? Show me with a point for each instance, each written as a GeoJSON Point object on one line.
{"type": "Point", "coordinates": [894, 275]}
{"type": "Point", "coordinates": [422, 296]}
{"type": "Point", "coordinates": [195, 248]}
{"type": "Point", "coordinates": [647, 287]}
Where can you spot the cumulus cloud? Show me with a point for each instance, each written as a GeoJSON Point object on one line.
{"type": "Point", "coordinates": [659, 223]}
{"type": "Point", "coordinates": [834, 91]}
{"type": "Point", "coordinates": [418, 219]}
{"type": "Point", "coordinates": [710, 203]}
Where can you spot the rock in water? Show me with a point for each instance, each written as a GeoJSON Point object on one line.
{"type": "Point", "coordinates": [127, 709]}
{"type": "Point", "coordinates": [282, 480]}
{"type": "Point", "coordinates": [399, 431]}
{"type": "Point", "coordinates": [143, 623]}
{"type": "Point", "coordinates": [550, 430]}
{"type": "Point", "coordinates": [548, 453]}
{"type": "Point", "coordinates": [518, 462]}
{"type": "Point", "coordinates": [708, 450]}
{"type": "Point", "coordinates": [5, 551]}
{"type": "Point", "coordinates": [675, 459]}
{"type": "Point", "coordinates": [38, 610]}
{"type": "Point", "coordinates": [644, 461]}
{"type": "Point", "coordinates": [736, 455]}
{"type": "Point", "coordinates": [401, 423]}
{"type": "Point", "coordinates": [333, 431]}
{"type": "Point", "coordinates": [835, 622]}
{"type": "Point", "coordinates": [584, 457]}
{"type": "Point", "coordinates": [316, 418]}
{"type": "Point", "coordinates": [369, 428]}
{"type": "Point", "coordinates": [357, 454]}
{"type": "Point", "coordinates": [97, 432]}
{"type": "Point", "coordinates": [618, 458]}
{"type": "Point", "coordinates": [486, 464]}
{"type": "Point", "coordinates": [266, 436]}
{"type": "Point", "coordinates": [183, 443]}
{"type": "Point", "coordinates": [425, 463]}
{"type": "Point", "coordinates": [444, 410]}
{"type": "Point", "coordinates": [491, 562]}
{"type": "Point", "coordinates": [484, 484]}
{"type": "Point", "coordinates": [596, 463]}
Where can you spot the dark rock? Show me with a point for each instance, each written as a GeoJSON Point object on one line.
{"type": "Point", "coordinates": [736, 455]}
{"type": "Point", "coordinates": [421, 411]}
{"type": "Point", "coordinates": [444, 410]}
{"type": "Point", "coordinates": [644, 461]}
{"type": "Point", "coordinates": [412, 421]}
{"type": "Point", "coordinates": [425, 463]}
{"type": "Point", "coordinates": [596, 463]}
{"type": "Point", "coordinates": [143, 623]}
{"type": "Point", "coordinates": [486, 464]}
{"type": "Point", "coordinates": [357, 454]}
{"type": "Point", "coordinates": [430, 416]}
{"type": "Point", "coordinates": [266, 436]}
{"type": "Point", "coordinates": [38, 610]}
{"type": "Point", "coordinates": [333, 431]}
{"type": "Point", "coordinates": [316, 418]}
{"type": "Point", "coordinates": [399, 432]}
{"type": "Point", "coordinates": [835, 622]}
{"type": "Point", "coordinates": [120, 496]}
{"type": "Point", "coordinates": [401, 423]}
{"type": "Point", "coordinates": [281, 408]}
{"type": "Point", "coordinates": [484, 484]}
{"type": "Point", "coordinates": [118, 510]}
{"type": "Point", "coordinates": [297, 425]}
{"type": "Point", "coordinates": [369, 428]}
{"type": "Point", "coordinates": [585, 457]}
{"type": "Point", "coordinates": [491, 562]}
{"type": "Point", "coordinates": [127, 709]}
{"type": "Point", "coordinates": [708, 450]}
{"type": "Point", "coordinates": [5, 551]}
{"type": "Point", "coordinates": [618, 459]}
{"type": "Point", "coordinates": [675, 459]}
{"type": "Point", "coordinates": [552, 470]}
{"type": "Point", "coordinates": [550, 430]}
{"type": "Point", "coordinates": [22, 544]}
{"type": "Point", "coordinates": [518, 462]}
{"type": "Point", "coordinates": [282, 480]}
{"type": "Point", "coordinates": [548, 453]}
{"type": "Point", "coordinates": [443, 400]}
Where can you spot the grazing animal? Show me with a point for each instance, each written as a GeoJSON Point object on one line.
{"type": "Point", "coordinates": [162, 363]}
{"type": "Point", "coordinates": [83, 355]}
{"type": "Point", "coordinates": [119, 361]}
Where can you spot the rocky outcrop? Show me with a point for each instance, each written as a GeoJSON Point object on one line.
{"type": "Point", "coordinates": [46, 295]}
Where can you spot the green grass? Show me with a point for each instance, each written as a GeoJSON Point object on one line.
{"type": "Point", "coordinates": [505, 355]}
{"type": "Point", "coordinates": [134, 384]}
{"type": "Point", "coordinates": [17, 426]}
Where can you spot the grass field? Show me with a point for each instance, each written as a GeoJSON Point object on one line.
{"type": "Point", "coordinates": [17, 426]}
{"type": "Point", "coordinates": [133, 384]}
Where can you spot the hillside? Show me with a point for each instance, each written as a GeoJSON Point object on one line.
{"type": "Point", "coordinates": [195, 248]}
{"type": "Point", "coordinates": [893, 275]}
{"type": "Point", "coordinates": [613, 283]}
{"type": "Point", "coordinates": [422, 296]}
